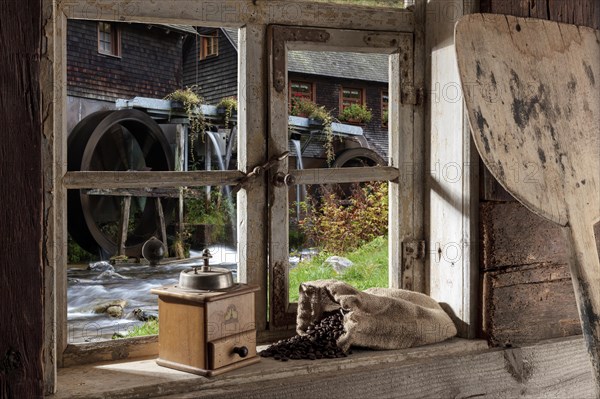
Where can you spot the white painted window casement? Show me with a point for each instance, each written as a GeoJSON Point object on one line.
{"type": "Point", "coordinates": [400, 47]}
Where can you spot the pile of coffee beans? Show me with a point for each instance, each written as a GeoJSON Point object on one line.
{"type": "Point", "coordinates": [318, 343]}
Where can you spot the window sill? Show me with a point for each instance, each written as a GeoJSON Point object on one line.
{"type": "Point", "coordinates": [456, 368]}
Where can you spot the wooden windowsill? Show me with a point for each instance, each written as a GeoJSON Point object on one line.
{"type": "Point", "coordinates": [465, 366]}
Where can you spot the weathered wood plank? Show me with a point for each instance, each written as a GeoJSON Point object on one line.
{"type": "Point", "coordinates": [451, 175]}
{"type": "Point", "coordinates": [512, 235]}
{"type": "Point", "coordinates": [546, 127]}
{"type": "Point", "coordinates": [252, 151]}
{"type": "Point", "coordinates": [50, 153]}
{"type": "Point", "coordinates": [458, 369]}
{"type": "Point", "coordinates": [345, 175]}
{"type": "Point", "coordinates": [79, 180]}
{"type": "Point", "coordinates": [523, 305]}
{"type": "Point", "coordinates": [120, 349]}
{"type": "Point", "coordinates": [235, 13]}
{"type": "Point", "coordinates": [21, 270]}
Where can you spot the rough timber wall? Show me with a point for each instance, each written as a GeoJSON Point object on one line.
{"type": "Point", "coordinates": [527, 289]}
{"type": "Point", "coordinates": [150, 64]}
{"type": "Point", "coordinates": [21, 285]}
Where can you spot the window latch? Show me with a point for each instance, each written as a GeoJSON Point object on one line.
{"type": "Point", "coordinates": [259, 170]}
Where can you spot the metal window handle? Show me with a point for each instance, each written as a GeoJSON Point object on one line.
{"type": "Point", "coordinates": [259, 170]}
{"type": "Point", "coordinates": [282, 179]}
{"type": "Point", "coordinates": [241, 350]}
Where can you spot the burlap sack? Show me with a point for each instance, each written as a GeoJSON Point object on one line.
{"type": "Point", "coordinates": [377, 318]}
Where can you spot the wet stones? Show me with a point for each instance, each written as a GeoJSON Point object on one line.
{"type": "Point", "coordinates": [318, 343]}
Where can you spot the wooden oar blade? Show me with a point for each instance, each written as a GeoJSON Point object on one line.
{"type": "Point", "coordinates": [531, 89]}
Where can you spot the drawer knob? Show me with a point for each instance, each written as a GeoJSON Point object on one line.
{"type": "Point", "coordinates": [241, 350]}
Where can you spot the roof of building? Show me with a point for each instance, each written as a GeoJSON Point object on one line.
{"type": "Point", "coordinates": [360, 66]}
{"type": "Point", "coordinates": [180, 28]}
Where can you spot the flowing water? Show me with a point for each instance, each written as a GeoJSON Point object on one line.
{"type": "Point", "coordinates": [300, 189]}
{"type": "Point", "coordinates": [130, 282]}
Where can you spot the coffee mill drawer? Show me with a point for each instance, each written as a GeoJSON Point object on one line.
{"type": "Point", "coordinates": [232, 349]}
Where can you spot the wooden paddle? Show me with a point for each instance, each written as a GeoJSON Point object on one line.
{"type": "Point", "coordinates": [532, 92]}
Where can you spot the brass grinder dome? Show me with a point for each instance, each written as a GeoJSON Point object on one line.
{"type": "Point", "coordinates": [206, 277]}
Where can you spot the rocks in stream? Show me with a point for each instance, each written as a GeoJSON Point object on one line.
{"type": "Point", "coordinates": [101, 266]}
{"type": "Point", "coordinates": [318, 343]}
{"type": "Point", "coordinates": [111, 308]}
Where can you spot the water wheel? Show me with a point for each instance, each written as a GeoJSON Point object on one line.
{"type": "Point", "coordinates": [116, 141]}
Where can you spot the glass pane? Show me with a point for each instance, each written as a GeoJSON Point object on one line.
{"type": "Point", "coordinates": [109, 295]}
{"type": "Point", "coordinates": [345, 220]}
{"type": "Point", "coordinates": [133, 115]}
{"type": "Point", "coordinates": [339, 232]}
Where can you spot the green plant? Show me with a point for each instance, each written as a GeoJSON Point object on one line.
{"type": "Point", "coordinates": [369, 269]}
{"type": "Point", "coordinates": [307, 108]}
{"type": "Point", "coordinates": [213, 212]}
{"type": "Point", "coordinates": [76, 254]}
{"type": "Point", "coordinates": [230, 104]}
{"type": "Point", "coordinates": [356, 113]}
{"type": "Point", "coordinates": [192, 105]}
{"type": "Point", "coordinates": [338, 222]}
{"type": "Point", "coordinates": [148, 328]}
{"type": "Point", "coordinates": [384, 117]}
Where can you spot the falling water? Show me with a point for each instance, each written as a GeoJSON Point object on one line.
{"type": "Point", "coordinates": [229, 151]}
{"type": "Point", "coordinates": [300, 190]}
{"type": "Point", "coordinates": [227, 189]}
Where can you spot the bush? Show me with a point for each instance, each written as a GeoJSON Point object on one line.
{"type": "Point", "coordinates": [339, 222]}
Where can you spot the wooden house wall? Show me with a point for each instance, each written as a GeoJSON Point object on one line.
{"type": "Point", "coordinates": [215, 76]}
{"type": "Point", "coordinates": [527, 291]}
{"type": "Point", "coordinates": [21, 272]}
{"type": "Point", "coordinates": [149, 66]}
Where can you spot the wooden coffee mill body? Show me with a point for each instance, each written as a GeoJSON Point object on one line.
{"type": "Point", "coordinates": [207, 323]}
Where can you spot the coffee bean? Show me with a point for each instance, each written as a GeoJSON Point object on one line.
{"type": "Point", "coordinates": [319, 341]}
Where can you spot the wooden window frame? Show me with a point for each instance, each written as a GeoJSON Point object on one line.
{"type": "Point", "coordinates": [399, 46]}
{"type": "Point", "coordinates": [115, 43]}
{"type": "Point", "coordinates": [312, 89]}
{"type": "Point", "coordinates": [313, 96]}
{"type": "Point", "coordinates": [208, 43]}
{"type": "Point", "coordinates": [342, 98]}
{"type": "Point", "coordinates": [407, 156]}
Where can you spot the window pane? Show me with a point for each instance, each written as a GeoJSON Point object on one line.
{"type": "Point", "coordinates": [111, 298]}
{"type": "Point", "coordinates": [340, 232]}
{"type": "Point", "coordinates": [142, 132]}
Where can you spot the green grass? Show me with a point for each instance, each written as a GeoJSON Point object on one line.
{"type": "Point", "coordinates": [148, 328]}
{"type": "Point", "coordinates": [370, 268]}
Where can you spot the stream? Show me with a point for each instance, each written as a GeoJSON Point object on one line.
{"type": "Point", "coordinates": [132, 282]}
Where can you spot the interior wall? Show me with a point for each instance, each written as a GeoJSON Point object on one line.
{"type": "Point", "coordinates": [21, 282]}
{"type": "Point", "coordinates": [527, 289]}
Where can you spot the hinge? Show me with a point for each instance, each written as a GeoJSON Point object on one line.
{"type": "Point", "coordinates": [413, 252]}
{"type": "Point", "coordinates": [412, 95]}
{"type": "Point", "coordinates": [414, 249]}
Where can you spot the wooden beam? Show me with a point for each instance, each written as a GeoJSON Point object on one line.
{"type": "Point", "coordinates": [22, 332]}
{"type": "Point", "coordinates": [455, 368]}
{"type": "Point", "coordinates": [82, 180]}
{"type": "Point", "coordinates": [345, 175]}
{"type": "Point", "coordinates": [236, 13]}
{"type": "Point", "coordinates": [252, 151]}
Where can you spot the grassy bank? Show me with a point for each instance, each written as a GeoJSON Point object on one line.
{"type": "Point", "coordinates": [369, 269]}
